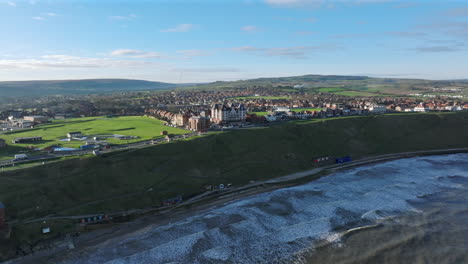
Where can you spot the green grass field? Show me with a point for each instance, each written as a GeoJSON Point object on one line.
{"type": "Point", "coordinates": [122, 180]}
{"type": "Point", "coordinates": [260, 113]}
{"type": "Point", "coordinates": [305, 109]}
{"type": "Point", "coordinates": [358, 93]}
{"type": "Point", "coordinates": [331, 90]}
{"type": "Point", "coordinates": [143, 127]}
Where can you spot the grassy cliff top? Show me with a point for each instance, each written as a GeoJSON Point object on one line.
{"type": "Point", "coordinates": [140, 178]}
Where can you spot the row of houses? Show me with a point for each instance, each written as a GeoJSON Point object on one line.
{"type": "Point", "coordinates": [218, 114]}
{"type": "Point", "coordinates": [27, 121]}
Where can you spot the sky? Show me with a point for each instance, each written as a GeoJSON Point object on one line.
{"type": "Point", "coordinates": [186, 41]}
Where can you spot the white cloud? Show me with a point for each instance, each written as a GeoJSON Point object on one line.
{"type": "Point", "coordinates": [250, 29]}
{"type": "Point", "coordinates": [44, 16]}
{"type": "Point", "coordinates": [297, 52]}
{"type": "Point", "coordinates": [207, 70]}
{"type": "Point", "coordinates": [13, 4]}
{"type": "Point", "coordinates": [136, 54]}
{"type": "Point", "coordinates": [127, 17]}
{"type": "Point", "coordinates": [179, 28]}
{"type": "Point", "coordinates": [318, 3]}
{"type": "Point", "coordinates": [65, 61]}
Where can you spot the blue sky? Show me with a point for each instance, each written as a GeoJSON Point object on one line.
{"type": "Point", "coordinates": [202, 40]}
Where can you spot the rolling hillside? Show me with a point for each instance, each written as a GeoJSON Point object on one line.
{"type": "Point", "coordinates": [67, 87]}
{"type": "Point", "coordinates": [349, 85]}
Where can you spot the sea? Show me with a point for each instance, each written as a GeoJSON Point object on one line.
{"type": "Point", "coordinates": [412, 210]}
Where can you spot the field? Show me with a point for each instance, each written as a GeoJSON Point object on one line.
{"type": "Point", "coordinates": [260, 113]}
{"type": "Point", "coordinates": [143, 127]}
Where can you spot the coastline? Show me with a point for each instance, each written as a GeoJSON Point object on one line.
{"type": "Point", "coordinates": [149, 220]}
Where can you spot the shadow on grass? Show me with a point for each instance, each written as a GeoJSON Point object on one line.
{"type": "Point", "coordinates": [123, 129]}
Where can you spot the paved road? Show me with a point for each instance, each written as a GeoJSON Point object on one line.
{"type": "Point", "coordinates": [54, 155]}
{"type": "Point", "coordinates": [278, 180]}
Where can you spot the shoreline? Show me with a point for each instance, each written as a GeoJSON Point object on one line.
{"type": "Point", "coordinates": [148, 220]}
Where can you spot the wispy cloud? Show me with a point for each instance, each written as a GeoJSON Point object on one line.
{"type": "Point", "coordinates": [65, 61]}
{"type": "Point", "coordinates": [453, 28]}
{"type": "Point", "coordinates": [405, 34]}
{"type": "Point", "coordinates": [250, 29]}
{"type": "Point", "coordinates": [437, 49]}
{"type": "Point", "coordinates": [318, 3]}
{"type": "Point", "coordinates": [297, 52]}
{"type": "Point", "coordinates": [305, 33]}
{"type": "Point", "coordinates": [457, 12]}
{"type": "Point", "coordinates": [193, 53]}
{"type": "Point", "coordinates": [180, 28]}
{"type": "Point", "coordinates": [125, 17]}
{"type": "Point", "coordinates": [10, 3]}
{"type": "Point", "coordinates": [207, 70]}
{"type": "Point", "coordinates": [136, 54]}
{"type": "Point", "coordinates": [44, 16]}
{"type": "Point", "coordinates": [401, 34]}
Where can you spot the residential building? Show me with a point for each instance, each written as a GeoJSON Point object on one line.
{"type": "Point", "coordinates": [181, 119]}
{"type": "Point", "coordinates": [225, 113]}
{"type": "Point", "coordinates": [421, 108]}
{"type": "Point", "coordinates": [22, 123]}
{"type": "Point", "coordinates": [377, 109]}
{"type": "Point", "coordinates": [36, 119]}
{"type": "Point", "coordinates": [199, 123]}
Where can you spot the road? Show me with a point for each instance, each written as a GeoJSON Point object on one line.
{"type": "Point", "coordinates": [54, 155]}
{"type": "Point", "coordinates": [278, 182]}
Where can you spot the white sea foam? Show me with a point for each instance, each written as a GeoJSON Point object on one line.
{"type": "Point", "coordinates": [275, 226]}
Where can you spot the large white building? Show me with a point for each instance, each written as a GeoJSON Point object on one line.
{"type": "Point", "coordinates": [222, 113]}
{"type": "Point", "coordinates": [379, 109]}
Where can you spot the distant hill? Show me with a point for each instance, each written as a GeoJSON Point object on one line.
{"type": "Point", "coordinates": [348, 85]}
{"type": "Point", "coordinates": [336, 84]}
{"type": "Point", "coordinates": [64, 87]}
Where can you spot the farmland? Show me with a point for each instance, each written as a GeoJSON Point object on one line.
{"type": "Point", "coordinates": [144, 128]}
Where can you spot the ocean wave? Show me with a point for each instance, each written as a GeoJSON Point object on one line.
{"type": "Point", "coordinates": [275, 227]}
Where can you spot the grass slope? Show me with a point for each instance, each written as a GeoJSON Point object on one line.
{"type": "Point", "coordinates": [144, 127]}
{"type": "Point", "coordinates": [136, 179]}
